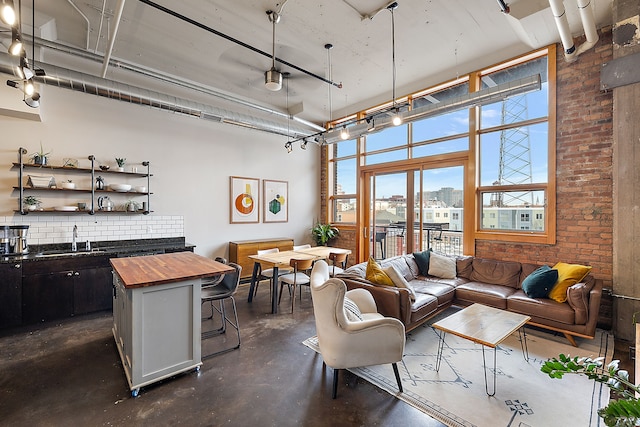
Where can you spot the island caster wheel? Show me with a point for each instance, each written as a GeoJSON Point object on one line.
{"type": "Point", "coordinates": [197, 368]}
{"type": "Point", "coordinates": [135, 392]}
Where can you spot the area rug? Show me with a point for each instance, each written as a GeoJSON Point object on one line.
{"type": "Point", "coordinates": [524, 396]}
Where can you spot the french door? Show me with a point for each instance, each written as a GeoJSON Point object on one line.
{"type": "Point", "coordinates": [412, 209]}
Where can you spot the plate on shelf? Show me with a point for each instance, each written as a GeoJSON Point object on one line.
{"type": "Point", "coordinates": [65, 208]}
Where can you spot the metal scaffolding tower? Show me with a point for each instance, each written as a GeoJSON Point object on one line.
{"type": "Point", "coordinates": [515, 154]}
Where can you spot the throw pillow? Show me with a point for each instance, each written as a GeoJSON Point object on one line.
{"type": "Point", "coordinates": [538, 284]}
{"type": "Point", "coordinates": [351, 310]}
{"type": "Point", "coordinates": [399, 280]}
{"type": "Point", "coordinates": [376, 275]}
{"type": "Point", "coordinates": [442, 266]}
{"type": "Point", "coordinates": [568, 275]}
{"type": "Point", "coordinates": [422, 259]}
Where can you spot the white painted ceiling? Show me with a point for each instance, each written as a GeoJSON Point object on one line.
{"type": "Point", "coordinates": [435, 40]}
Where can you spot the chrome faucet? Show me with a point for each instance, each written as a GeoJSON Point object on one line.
{"type": "Point", "coordinates": [74, 244]}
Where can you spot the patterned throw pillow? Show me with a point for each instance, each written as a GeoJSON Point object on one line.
{"type": "Point", "coordinates": [351, 310]}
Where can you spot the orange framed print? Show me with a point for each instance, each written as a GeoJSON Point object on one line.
{"type": "Point", "coordinates": [276, 201]}
{"type": "Point", "coordinates": [245, 200]}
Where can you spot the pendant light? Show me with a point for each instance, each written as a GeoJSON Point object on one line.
{"type": "Point", "coordinates": [397, 120]}
{"type": "Point", "coordinates": [272, 77]}
{"type": "Point", "coordinates": [7, 12]}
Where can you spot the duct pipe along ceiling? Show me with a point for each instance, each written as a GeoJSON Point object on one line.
{"type": "Point", "coordinates": [74, 80]}
{"type": "Point", "coordinates": [588, 23]}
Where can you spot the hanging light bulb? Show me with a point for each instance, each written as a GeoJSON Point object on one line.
{"type": "Point", "coordinates": [15, 48]}
{"type": "Point", "coordinates": [397, 120]}
{"type": "Point", "coordinates": [29, 88]}
{"type": "Point", "coordinates": [344, 133]}
{"type": "Point", "coordinates": [8, 13]}
{"type": "Point", "coordinates": [289, 147]}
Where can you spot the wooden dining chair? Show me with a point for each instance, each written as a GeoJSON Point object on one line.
{"type": "Point", "coordinates": [267, 273]}
{"type": "Point", "coordinates": [338, 262]}
{"type": "Point", "coordinates": [296, 278]}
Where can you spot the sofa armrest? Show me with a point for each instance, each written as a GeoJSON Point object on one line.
{"type": "Point", "coordinates": [390, 301]}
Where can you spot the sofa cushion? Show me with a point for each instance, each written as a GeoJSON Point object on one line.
{"type": "Point", "coordinates": [400, 264]}
{"type": "Point", "coordinates": [539, 283]}
{"type": "Point", "coordinates": [442, 266]}
{"type": "Point", "coordinates": [484, 293]}
{"type": "Point", "coordinates": [568, 275]}
{"type": "Point", "coordinates": [464, 266]}
{"type": "Point", "coordinates": [424, 306]}
{"type": "Point", "coordinates": [444, 292]}
{"type": "Point", "coordinates": [422, 259]}
{"type": "Point", "coordinates": [376, 275]}
{"type": "Point", "coordinates": [540, 308]}
{"type": "Point", "coordinates": [399, 281]}
{"type": "Point", "coordinates": [413, 267]}
{"type": "Point", "coordinates": [506, 273]}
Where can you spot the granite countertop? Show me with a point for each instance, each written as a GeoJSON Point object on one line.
{"type": "Point", "coordinates": [113, 248]}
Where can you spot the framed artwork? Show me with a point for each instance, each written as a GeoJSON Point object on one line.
{"type": "Point", "coordinates": [276, 201]}
{"type": "Point", "coordinates": [245, 200]}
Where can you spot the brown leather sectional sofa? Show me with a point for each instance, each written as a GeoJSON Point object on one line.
{"type": "Point", "coordinates": [500, 287]}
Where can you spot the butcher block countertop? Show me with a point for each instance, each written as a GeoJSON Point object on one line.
{"type": "Point", "coordinates": [151, 270]}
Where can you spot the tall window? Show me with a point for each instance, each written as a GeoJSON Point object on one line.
{"type": "Point", "coordinates": [508, 147]}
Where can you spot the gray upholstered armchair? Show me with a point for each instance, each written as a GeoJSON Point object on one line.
{"type": "Point", "coordinates": [348, 336]}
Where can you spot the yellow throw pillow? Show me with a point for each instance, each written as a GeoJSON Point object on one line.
{"type": "Point", "coordinates": [376, 275]}
{"type": "Point", "coordinates": [568, 275]}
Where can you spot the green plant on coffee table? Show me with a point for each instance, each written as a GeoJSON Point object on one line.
{"type": "Point", "coordinates": [323, 233]}
{"type": "Point", "coordinates": [621, 412]}
{"type": "Point", "coordinates": [120, 161]}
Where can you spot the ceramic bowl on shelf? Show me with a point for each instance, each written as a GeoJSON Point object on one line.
{"type": "Point", "coordinates": [65, 208]}
{"type": "Point", "coordinates": [122, 188]}
{"type": "Point", "coordinates": [140, 189]}
{"type": "Point", "coordinates": [68, 185]}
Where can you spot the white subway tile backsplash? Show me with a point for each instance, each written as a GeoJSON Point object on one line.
{"type": "Point", "coordinates": [58, 228]}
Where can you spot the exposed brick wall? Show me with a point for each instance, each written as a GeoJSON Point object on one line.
{"type": "Point", "coordinates": [584, 181]}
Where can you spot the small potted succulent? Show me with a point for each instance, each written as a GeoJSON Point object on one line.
{"type": "Point", "coordinates": [40, 157]}
{"type": "Point", "coordinates": [31, 202]}
{"type": "Point", "coordinates": [121, 161]}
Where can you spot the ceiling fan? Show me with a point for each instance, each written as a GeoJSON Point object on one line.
{"type": "Point", "coordinates": [273, 77]}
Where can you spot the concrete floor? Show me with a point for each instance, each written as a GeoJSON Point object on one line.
{"type": "Point", "coordinates": [69, 373]}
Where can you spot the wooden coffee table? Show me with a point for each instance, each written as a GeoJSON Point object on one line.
{"type": "Point", "coordinates": [483, 325]}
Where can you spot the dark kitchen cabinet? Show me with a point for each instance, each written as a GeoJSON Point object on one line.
{"type": "Point", "coordinates": [11, 294]}
{"type": "Point", "coordinates": [55, 289]}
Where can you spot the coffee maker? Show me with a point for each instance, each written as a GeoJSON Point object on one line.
{"type": "Point", "coordinates": [13, 239]}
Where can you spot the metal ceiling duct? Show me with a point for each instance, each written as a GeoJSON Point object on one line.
{"type": "Point", "coordinates": [85, 83]}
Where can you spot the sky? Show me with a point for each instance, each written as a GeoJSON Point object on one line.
{"type": "Point", "coordinates": [531, 105]}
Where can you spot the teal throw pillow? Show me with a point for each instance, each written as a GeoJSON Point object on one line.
{"type": "Point", "coordinates": [422, 259]}
{"type": "Point", "coordinates": [539, 283]}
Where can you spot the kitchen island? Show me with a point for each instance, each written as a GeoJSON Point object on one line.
{"type": "Point", "coordinates": [156, 314]}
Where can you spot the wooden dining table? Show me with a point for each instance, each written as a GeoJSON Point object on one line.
{"type": "Point", "coordinates": [276, 260]}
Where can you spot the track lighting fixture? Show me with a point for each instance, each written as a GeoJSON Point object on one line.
{"type": "Point", "coordinates": [12, 83]}
{"type": "Point", "coordinates": [33, 101]}
{"type": "Point", "coordinates": [15, 48]}
{"type": "Point", "coordinates": [29, 88]}
{"type": "Point", "coordinates": [344, 133]}
{"type": "Point", "coordinates": [288, 146]}
{"type": "Point", "coordinates": [7, 12]}
{"type": "Point", "coordinates": [304, 143]}
{"type": "Point", "coordinates": [23, 71]}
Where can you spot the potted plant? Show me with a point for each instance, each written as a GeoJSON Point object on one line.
{"type": "Point", "coordinates": [68, 185]}
{"type": "Point", "coordinates": [40, 157]}
{"type": "Point", "coordinates": [121, 161]}
{"type": "Point", "coordinates": [621, 411]}
{"type": "Point", "coordinates": [323, 233]}
{"type": "Point", "coordinates": [31, 202]}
